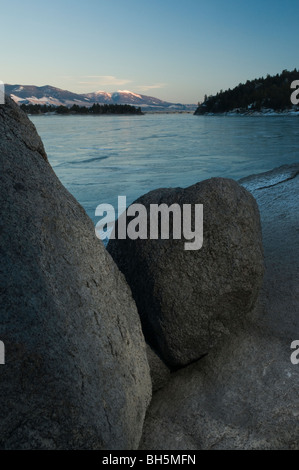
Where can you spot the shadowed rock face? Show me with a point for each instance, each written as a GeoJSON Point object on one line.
{"type": "Point", "coordinates": [245, 393]}
{"type": "Point", "coordinates": [76, 374]}
{"type": "Point", "coordinates": [160, 374]}
{"type": "Point", "coordinates": [188, 300]}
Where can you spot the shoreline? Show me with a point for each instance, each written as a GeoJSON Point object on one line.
{"type": "Point", "coordinates": [265, 112]}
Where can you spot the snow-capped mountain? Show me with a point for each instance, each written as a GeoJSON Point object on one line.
{"type": "Point", "coordinates": [30, 94]}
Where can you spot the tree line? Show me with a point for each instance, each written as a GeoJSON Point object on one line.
{"type": "Point", "coordinates": [76, 109]}
{"type": "Point", "coordinates": [271, 92]}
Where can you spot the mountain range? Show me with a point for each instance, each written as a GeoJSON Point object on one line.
{"type": "Point", "coordinates": [49, 95]}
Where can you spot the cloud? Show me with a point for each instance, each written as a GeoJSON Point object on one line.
{"type": "Point", "coordinates": [151, 87]}
{"type": "Point", "coordinates": [104, 80]}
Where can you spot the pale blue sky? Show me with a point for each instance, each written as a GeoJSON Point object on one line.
{"type": "Point", "coordinates": [176, 50]}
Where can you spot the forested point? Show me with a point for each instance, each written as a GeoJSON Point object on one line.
{"type": "Point", "coordinates": [76, 109]}
{"type": "Point", "coordinates": [273, 92]}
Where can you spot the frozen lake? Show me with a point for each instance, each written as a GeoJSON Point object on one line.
{"type": "Point", "coordinates": [99, 158]}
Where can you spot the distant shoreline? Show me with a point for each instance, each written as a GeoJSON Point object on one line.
{"type": "Point", "coordinates": [95, 109]}
{"type": "Point", "coordinates": [143, 113]}
{"type": "Point", "coordinates": [269, 113]}
{"type": "Point", "coordinates": [85, 114]}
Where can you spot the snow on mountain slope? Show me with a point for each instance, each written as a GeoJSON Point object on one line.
{"type": "Point", "coordinates": [127, 92]}
{"type": "Point", "coordinates": [17, 99]}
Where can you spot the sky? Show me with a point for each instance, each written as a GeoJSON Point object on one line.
{"type": "Point", "coordinates": [175, 50]}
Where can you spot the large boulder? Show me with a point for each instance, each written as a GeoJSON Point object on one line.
{"type": "Point", "coordinates": [188, 299]}
{"type": "Point", "coordinates": [76, 374]}
{"type": "Point", "coordinates": [245, 393]}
